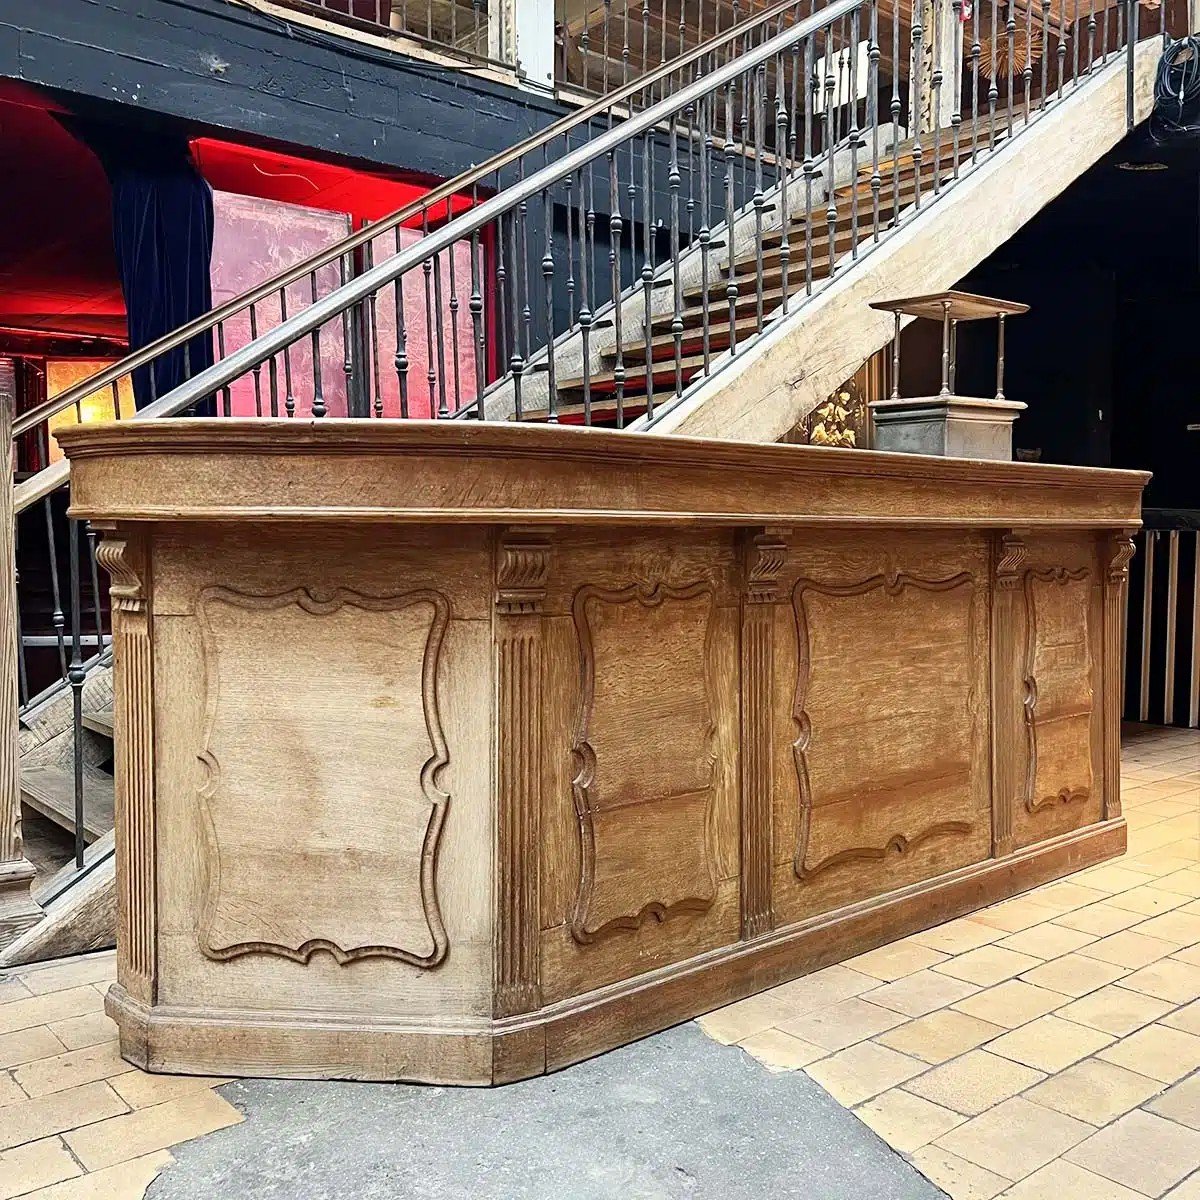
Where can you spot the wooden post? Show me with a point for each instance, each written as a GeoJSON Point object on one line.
{"type": "Point", "coordinates": [18, 911]}
{"type": "Point", "coordinates": [1007, 685]}
{"type": "Point", "coordinates": [1118, 555]}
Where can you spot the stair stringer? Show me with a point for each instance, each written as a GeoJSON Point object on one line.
{"type": "Point", "coordinates": [771, 385]}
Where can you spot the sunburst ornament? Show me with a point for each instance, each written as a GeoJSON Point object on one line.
{"type": "Point", "coordinates": [994, 56]}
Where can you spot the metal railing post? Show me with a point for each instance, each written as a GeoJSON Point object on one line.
{"type": "Point", "coordinates": [18, 910]}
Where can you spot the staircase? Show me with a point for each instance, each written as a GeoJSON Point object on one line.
{"type": "Point", "coordinates": [694, 253]}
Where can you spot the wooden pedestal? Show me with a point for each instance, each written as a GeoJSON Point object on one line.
{"type": "Point", "coordinates": [459, 753]}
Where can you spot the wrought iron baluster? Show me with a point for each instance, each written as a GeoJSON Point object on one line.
{"type": "Point", "coordinates": [516, 361]}
{"type": "Point", "coordinates": [993, 90]}
{"type": "Point", "coordinates": [76, 676]}
{"type": "Point", "coordinates": [440, 331]}
{"type": "Point", "coordinates": [705, 235]}
{"type": "Point", "coordinates": [1044, 98]}
{"type": "Point", "coordinates": [400, 359]}
{"type": "Point", "coordinates": [647, 268]}
{"type": "Point", "coordinates": [615, 228]}
{"type": "Point", "coordinates": [854, 133]}
{"type": "Point", "coordinates": [731, 285]}
{"type": "Point", "coordinates": [1010, 31]}
{"type": "Point", "coordinates": [373, 335]}
{"type": "Point", "coordinates": [758, 199]}
{"type": "Point", "coordinates": [95, 578]}
{"type": "Point", "coordinates": [478, 329]}
{"type": "Point", "coordinates": [289, 400]}
{"type": "Point", "coordinates": [257, 369]}
{"type": "Point", "coordinates": [976, 50]}
{"type": "Point", "coordinates": [225, 397]}
{"type": "Point", "coordinates": [548, 288]}
{"type": "Point", "coordinates": [1027, 70]}
{"type": "Point", "coordinates": [873, 115]}
{"type": "Point", "coordinates": [585, 308]}
{"type": "Point", "coordinates": [811, 91]}
{"type": "Point", "coordinates": [956, 77]}
{"type": "Point", "coordinates": [673, 181]}
{"type": "Point", "coordinates": [318, 407]}
{"type": "Point", "coordinates": [935, 90]}
{"type": "Point", "coordinates": [917, 69]}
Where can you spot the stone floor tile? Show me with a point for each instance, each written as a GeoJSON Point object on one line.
{"type": "Point", "coordinates": [1179, 928]}
{"type": "Point", "coordinates": [740, 1020]}
{"type": "Point", "coordinates": [140, 1090]}
{"type": "Point", "coordinates": [1067, 894]}
{"type": "Point", "coordinates": [987, 965]}
{"type": "Point", "coordinates": [125, 1181]}
{"type": "Point", "coordinates": [1189, 954]}
{"type": "Point", "coordinates": [1095, 1091]}
{"type": "Point", "coordinates": [896, 960]}
{"type": "Point", "coordinates": [35, 1165]}
{"type": "Point", "coordinates": [1186, 1018]}
{"type": "Point", "coordinates": [842, 1024]}
{"type": "Point", "coordinates": [1158, 1051]}
{"type": "Point", "coordinates": [1128, 949]}
{"type": "Point", "coordinates": [1169, 979]}
{"type": "Point", "coordinates": [907, 1122]}
{"type": "Point", "coordinates": [940, 1036]}
{"type": "Point", "coordinates": [859, 1072]}
{"type": "Point", "coordinates": [974, 1082]}
{"type": "Point", "coordinates": [1115, 1010]}
{"type": "Point", "coordinates": [1012, 1003]}
{"type": "Point", "coordinates": [1116, 877]}
{"type": "Point", "coordinates": [25, 1045]}
{"type": "Point", "coordinates": [1100, 919]}
{"type": "Point", "coordinates": [42, 1010]}
{"type": "Point", "coordinates": [1180, 1103]}
{"type": "Point", "coordinates": [921, 993]}
{"type": "Point", "coordinates": [957, 937]}
{"type": "Point", "coordinates": [138, 1133]}
{"type": "Point", "coordinates": [90, 968]}
{"type": "Point", "coordinates": [77, 1032]}
{"type": "Point", "coordinates": [1075, 974]}
{"type": "Point", "coordinates": [1142, 1151]}
{"type": "Point", "coordinates": [1015, 915]}
{"type": "Point", "coordinates": [1189, 1189]}
{"type": "Point", "coordinates": [1158, 863]}
{"type": "Point", "coordinates": [48, 1115]}
{"type": "Point", "coordinates": [1063, 1180]}
{"type": "Point", "coordinates": [819, 989]}
{"type": "Point", "coordinates": [959, 1179]}
{"type": "Point", "coordinates": [1180, 805]}
{"type": "Point", "coordinates": [11, 988]}
{"type": "Point", "coordinates": [1048, 940]}
{"type": "Point", "coordinates": [1185, 882]}
{"type": "Point", "coordinates": [68, 1070]}
{"type": "Point", "coordinates": [1015, 1138]}
{"type": "Point", "coordinates": [10, 1093]}
{"type": "Point", "coordinates": [777, 1051]}
{"type": "Point", "coordinates": [1050, 1043]}
{"type": "Point", "coordinates": [1149, 900]}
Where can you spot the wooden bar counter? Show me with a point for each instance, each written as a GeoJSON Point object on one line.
{"type": "Point", "coordinates": [460, 752]}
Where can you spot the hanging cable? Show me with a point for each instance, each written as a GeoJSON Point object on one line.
{"type": "Point", "coordinates": [1176, 111]}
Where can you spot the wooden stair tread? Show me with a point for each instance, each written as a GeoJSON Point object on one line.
{"type": "Point", "coordinates": [605, 380]}
{"type": "Point", "coordinates": [51, 791]}
{"type": "Point", "coordinates": [100, 722]}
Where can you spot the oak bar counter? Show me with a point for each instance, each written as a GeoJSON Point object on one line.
{"type": "Point", "coordinates": [458, 752]}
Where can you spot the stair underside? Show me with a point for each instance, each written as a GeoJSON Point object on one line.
{"type": "Point", "coordinates": [51, 792]}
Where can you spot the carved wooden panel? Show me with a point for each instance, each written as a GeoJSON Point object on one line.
{"type": "Point", "coordinates": [645, 755]}
{"type": "Point", "coordinates": [890, 733]}
{"type": "Point", "coordinates": [1119, 549]}
{"type": "Point", "coordinates": [289, 677]}
{"type": "Point", "coordinates": [1058, 697]}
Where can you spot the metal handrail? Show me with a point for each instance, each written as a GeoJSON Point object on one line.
{"type": "Point", "coordinates": [601, 106]}
{"type": "Point", "coordinates": [204, 383]}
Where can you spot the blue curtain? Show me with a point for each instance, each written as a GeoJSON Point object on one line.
{"type": "Point", "coordinates": [162, 214]}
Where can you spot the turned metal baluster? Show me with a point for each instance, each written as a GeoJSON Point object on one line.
{"type": "Point", "coordinates": [625, 52]}
{"type": "Point", "coordinates": [783, 161]}
{"type": "Point", "coordinates": [1075, 43]}
{"type": "Point", "coordinates": [731, 285]}
{"type": "Point", "coordinates": [478, 332]}
{"type": "Point", "coordinates": [477, 14]}
{"type": "Point", "coordinates": [705, 235]}
{"type": "Point", "coordinates": [1091, 55]}
{"type": "Point", "coordinates": [523, 272]}
{"type": "Point", "coordinates": [914, 116]}
{"type": "Point", "coordinates": [895, 109]}
{"type": "Point", "coordinates": [615, 227]}
{"type": "Point", "coordinates": [673, 181]}
{"type": "Point", "coordinates": [831, 213]}
{"type": "Point", "coordinates": [976, 52]}
{"type": "Point", "coordinates": [257, 368]}
{"type": "Point", "coordinates": [873, 115]}
{"type": "Point", "coordinates": [1061, 54]}
{"type": "Point", "coordinates": [226, 401]}
{"type": "Point", "coordinates": [935, 92]}
{"type": "Point", "coordinates": [854, 133]}
{"type": "Point", "coordinates": [569, 207]}
{"type": "Point", "coordinates": [758, 199]}
{"type": "Point", "coordinates": [58, 620]}
{"type": "Point", "coordinates": [94, 573]}
{"type": "Point", "coordinates": [439, 330]}
{"type": "Point", "coordinates": [347, 341]}
{"type": "Point", "coordinates": [1010, 32]}
{"type": "Point", "coordinates": [585, 309]}
{"type": "Point", "coordinates": [993, 90]}
{"type": "Point", "coordinates": [1103, 36]}
{"type": "Point", "coordinates": [289, 399]}
{"type": "Point", "coordinates": [647, 269]}
{"type": "Point", "coordinates": [76, 675]}
{"type": "Point", "coordinates": [812, 88]}
{"type": "Point", "coordinates": [373, 334]}
{"type": "Point", "coordinates": [1027, 71]}
{"type": "Point", "coordinates": [1046, 51]}
{"type": "Point", "coordinates": [401, 357]}
{"type": "Point", "coordinates": [318, 407]}
{"type": "Point", "coordinates": [956, 77]}
{"type": "Point", "coordinates": [516, 361]}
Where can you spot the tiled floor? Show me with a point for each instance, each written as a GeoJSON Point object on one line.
{"type": "Point", "coordinates": [1046, 1048]}
{"type": "Point", "coordinates": [76, 1121]}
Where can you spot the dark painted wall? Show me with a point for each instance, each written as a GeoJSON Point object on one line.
{"type": "Point", "coordinates": [234, 71]}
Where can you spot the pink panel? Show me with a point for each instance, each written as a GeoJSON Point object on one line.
{"type": "Point", "coordinates": [253, 240]}
{"type": "Point", "coordinates": [421, 346]}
